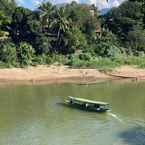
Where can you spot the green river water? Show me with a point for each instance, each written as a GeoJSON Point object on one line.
{"type": "Point", "coordinates": [34, 115]}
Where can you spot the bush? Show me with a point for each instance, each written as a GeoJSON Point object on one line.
{"type": "Point", "coordinates": [106, 64]}
{"type": "Point", "coordinates": [105, 49]}
{"type": "Point", "coordinates": [25, 54]}
{"type": "Point", "coordinates": [8, 53]}
{"type": "Point", "coordinates": [85, 56]}
{"type": "Point", "coordinates": [42, 59]}
{"type": "Point", "coordinates": [59, 58]}
{"type": "Point", "coordinates": [75, 61]}
{"type": "Point", "coordinates": [135, 60]}
{"type": "Point", "coordinates": [100, 63]}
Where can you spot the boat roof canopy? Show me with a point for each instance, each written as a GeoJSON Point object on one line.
{"type": "Point", "coordinates": [88, 101]}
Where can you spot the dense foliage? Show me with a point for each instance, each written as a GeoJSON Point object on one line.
{"type": "Point", "coordinates": [127, 23]}
{"type": "Point", "coordinates": [74, 34]}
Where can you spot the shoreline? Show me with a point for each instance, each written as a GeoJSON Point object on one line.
{"type": "Point", "coordinates": [63, 74]}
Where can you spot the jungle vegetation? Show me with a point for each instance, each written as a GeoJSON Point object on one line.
{"type": "Point", "coordinates": [72, 34]}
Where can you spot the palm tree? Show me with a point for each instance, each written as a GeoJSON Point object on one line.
{"type": "Point", "coordinates": [58, 27]}
{"type": "Point", "coordinates": [46, 10]}
{"type": "Point", "coordinates": [60, 22]}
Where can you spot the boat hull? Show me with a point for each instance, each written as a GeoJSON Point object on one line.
{"type": "Point", "coordinates": [88, 108]}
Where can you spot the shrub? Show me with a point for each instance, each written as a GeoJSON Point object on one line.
{"type": "Point", "coordinates": [8, 53]}
{"type": "Point", "coordinates": [85, 56]}
{"type": "Point", "coordinates": [74, 61]}
{"type": "Point", "coordinates": [106, 64]}
{"type": "Point", "coordinates": [135, 60]}
{"type": "Point", "coordinates": [25, 54]}
{"type": "Point", "coordinates": [94, 62]}
{"type": "Point", "coordinates": [105, 49]}
{"type": "Point", "coordinates": [58, 58]}
{"type": "Point", "coordinates": [42, 59]}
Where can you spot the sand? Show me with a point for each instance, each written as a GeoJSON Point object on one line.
{"type": "Point", "coordinates": [63, 74]}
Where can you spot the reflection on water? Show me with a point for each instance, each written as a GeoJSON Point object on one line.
{"type": "Point", "coordinates": [33, 115]}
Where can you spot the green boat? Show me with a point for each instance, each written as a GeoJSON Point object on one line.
{"type": "Point", "coordinates": [87, 105]}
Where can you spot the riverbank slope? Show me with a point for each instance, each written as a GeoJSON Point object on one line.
{"type": "Point", "coordinates": [63, 74]}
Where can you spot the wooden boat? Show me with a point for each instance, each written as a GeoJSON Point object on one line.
{"type": "Point", "coordinates": [87, 105]}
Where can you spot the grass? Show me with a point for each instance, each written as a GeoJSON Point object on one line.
{"type": "Point", "coordinates": [108, 63]}
{"type": "Point", "coordinates": [101, 63]}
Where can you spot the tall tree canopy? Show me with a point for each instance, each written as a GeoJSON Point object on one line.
{"type": "Point", "coordinates": [125, 20]}
{"type": "Point", "coordinates": [7, 6]}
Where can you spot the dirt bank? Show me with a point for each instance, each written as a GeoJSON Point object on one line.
{"type": "Point", "coordinates": [63, 74]}
{"type": "Point", "coordinates": [128, 72]}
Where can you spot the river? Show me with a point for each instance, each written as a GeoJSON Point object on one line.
{"type": "Point", "coordinates": [34, 115]}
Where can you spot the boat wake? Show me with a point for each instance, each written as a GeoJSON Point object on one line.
{"type": "Point", "coordinates": [139, 122]}
{"type": "Point", "coordinates": [115, 116]}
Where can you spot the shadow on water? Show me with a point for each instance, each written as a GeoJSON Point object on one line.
{"type": "Point", "coordinates": [134, 136]}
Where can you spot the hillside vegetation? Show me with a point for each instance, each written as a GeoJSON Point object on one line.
{"type": "Point", "coordinates": [73, 34]}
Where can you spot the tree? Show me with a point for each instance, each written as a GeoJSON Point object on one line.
{"type": "Point", "coordinates": [42, 44]}
{"type": "Point", "coordinates": [4, 21]}
{"type": "Point", "coordinates": [74, 40]}
{"type": "Point", "coordinates": [25, 26]}
{"type": "Point", "coordinates": [19, 27]}
{"type": "Point", "coordinates": [59, 27]}
{"type": "Point", "coordinates": [7, 6]}
{"type": "Point", "coordinates": [125, 18]}
{"type": "Point", "coordinates": [82, 15]}
{"type": "Point", "coordinates": [136, 41]}
{"type": "Point", "coordinates": [107, 45]}
{"type": "Point", "coordinates": [46, 11]}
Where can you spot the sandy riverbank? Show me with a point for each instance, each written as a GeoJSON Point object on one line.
{"type": "Point", "coordinates": [63, 74]}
